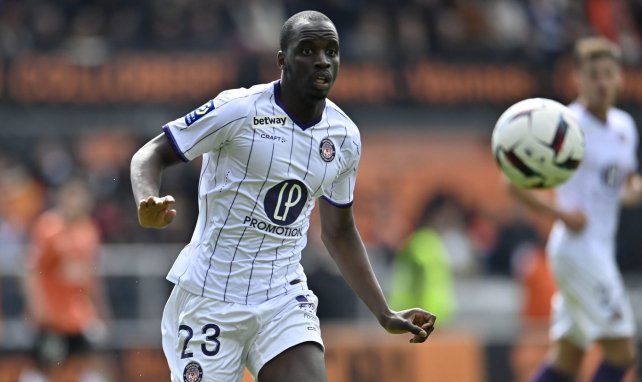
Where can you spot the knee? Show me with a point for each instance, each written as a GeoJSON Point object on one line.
{"type": "Point", "coordinates": [567, 358]}
{"type": "Point", "coordinates": [622, 360]}
{"type": "Point", "coordinates": [621, 353]}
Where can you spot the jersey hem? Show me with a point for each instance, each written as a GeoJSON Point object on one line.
{"type": "Point", "coordinates": [232, 299]}
{"type": "Point", "coordinates": [174, 144]}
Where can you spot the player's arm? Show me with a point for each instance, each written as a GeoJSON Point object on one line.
{"type": "Point", "coordinates": [341, 238]}
{"type": "Point", "coordinates": [539, 203]}
{"type": "Point", "coordinates": [632, 194]}
{"type": "Point", "coordinates": [147, 165]}
{"type": "Point", "coordinates": [36, 303]}
{"type": "Point", "coordinates": [38, 258]}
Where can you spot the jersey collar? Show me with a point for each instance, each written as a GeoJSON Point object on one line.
{"type": "Point", "coordinates": [277, 99]}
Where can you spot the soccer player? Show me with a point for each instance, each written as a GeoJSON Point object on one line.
{"type": "Point", "coordinates": [62, 290]}
{"type": "Point", "coordinates": [240, 297]}
{"type": "Point", "coordinates": [591, 304]}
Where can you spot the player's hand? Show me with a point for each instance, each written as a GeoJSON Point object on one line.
{"type": "Point", "coordinates": [416, 321]}
{"type": "Point", "coordinates": [575, 221]}
{"type": "Point", "coordinates": [155, 212]}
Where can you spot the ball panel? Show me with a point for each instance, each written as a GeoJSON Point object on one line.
{"type": "Point", "coordinates": [516, 170]}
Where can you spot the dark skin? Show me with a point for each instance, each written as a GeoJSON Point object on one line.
{"type": "Point", "coordinates": [309, 67]}
{"type": "Point", "coordinates": [313, 51]}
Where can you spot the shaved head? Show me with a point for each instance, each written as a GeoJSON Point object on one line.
{"type": "Point", "coordinates": [288, 26]}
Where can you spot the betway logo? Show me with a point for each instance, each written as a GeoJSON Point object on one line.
{"type": "Point", "coordinates": [273, 120]}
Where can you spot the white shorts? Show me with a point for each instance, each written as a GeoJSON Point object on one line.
{"type": "Point", "coordinates": [214, 341]}
{"type": "Point", "coordinates": [591, 302]}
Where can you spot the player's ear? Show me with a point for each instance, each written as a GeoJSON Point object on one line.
{"type": "Point", "coordinates": [576, 77]}
{"type": "Point", "coordinates": [280, 59]}
{"type": "Point", "coordinates": [619, 74]}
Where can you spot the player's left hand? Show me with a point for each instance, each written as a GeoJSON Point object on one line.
{"type": "Point", "coordinates": [416, 321]}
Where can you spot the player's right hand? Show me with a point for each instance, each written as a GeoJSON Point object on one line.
{"type": "Point", "coordinates": [575, 221]}
{"type": "Point", "coordinates": [416, 321]}
{"type": "Point", "coordinates": [155, 212]}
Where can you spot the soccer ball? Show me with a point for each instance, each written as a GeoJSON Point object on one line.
{"type": "Point", "coordinates": [537, 143]}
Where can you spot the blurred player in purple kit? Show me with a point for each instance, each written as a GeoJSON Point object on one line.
{"type": "Point", "coordinates": [592, 305]}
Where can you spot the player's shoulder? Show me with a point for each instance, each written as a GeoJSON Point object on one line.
{"type": "Point", "coordinates": [623, 121]}
{"type": "Point", "coordinates": [622, 116]}
{"type": "Point", "coordinates": [338, 116]}
{"type": "Point", "coordinates": [242, 95]}
{"type": "Point", "coordinates": [576, 108]}
{"type": "Point", "coordinates": [48, 223]}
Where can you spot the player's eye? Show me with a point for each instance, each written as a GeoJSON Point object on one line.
{"type": "Point", "coordinates": [306, 51]}
{"type": "Point", "coordinates": [332, 52]}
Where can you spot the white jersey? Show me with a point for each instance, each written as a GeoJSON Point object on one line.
{"type": "Point", "coordinates": [596, 187]}
{"type": "Point", "coordinates": [261, 174]}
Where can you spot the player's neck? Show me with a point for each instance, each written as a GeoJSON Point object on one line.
{"type": "Point", "coordinates": [70, 218]}
{"type": "Point", "coordinates": [302, 111]}
{"type": "Point", "coordinates": [600, 112]}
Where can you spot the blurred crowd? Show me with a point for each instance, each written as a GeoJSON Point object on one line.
{"type": "Point", "coordinates": [32, 171]}
{"type": "Point", "coordinates": [384, 31]}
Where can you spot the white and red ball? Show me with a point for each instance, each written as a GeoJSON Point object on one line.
{"type": "Point", "coordinates": [537, 143]}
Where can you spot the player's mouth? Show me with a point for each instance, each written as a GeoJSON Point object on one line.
{"type": "Point", "coordinates": [321, 81]}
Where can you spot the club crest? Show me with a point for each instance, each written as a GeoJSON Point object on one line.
{"type": "Point", "coordinates": [327, 150]}
{"type": "Point", "coordinates": [193, 372]}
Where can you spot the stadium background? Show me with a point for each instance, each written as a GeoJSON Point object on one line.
{"type": "Point", "coordinates": [83, 83]}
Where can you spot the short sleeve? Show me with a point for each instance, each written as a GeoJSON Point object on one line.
{"type": "Point", "coordinates": [206, 128]}
{"type": "Point", "coordinates": [636, 142]}
{"type": "Point", "coordinates": [634, 139]}
{"type": "Point", "coordinates": [341, 192]}
{"type": "Point", "coordinates": [40, 253]}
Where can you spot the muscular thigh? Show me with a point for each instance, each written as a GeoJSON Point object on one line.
{"type": "Point", "coordinates": [205, 340]}
{"type": "Point", "coordinates": [288, 347]}
{"type": "Point", "coordinates": [595, 297]}
{"type": "Point", "coordinates": [303, 362]}
{"type": "Point", "coordinates": [618, 351]}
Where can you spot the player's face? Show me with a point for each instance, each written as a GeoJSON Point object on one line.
{"type": "Point", "coordinates": [599, 80]}
{"type": "Point", "coordinates": [311, 61]}
{"type": "Point", "coordinates": [74, 200]}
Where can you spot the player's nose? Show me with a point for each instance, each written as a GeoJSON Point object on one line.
{"type": "Point", "coordinates": [321, 60]}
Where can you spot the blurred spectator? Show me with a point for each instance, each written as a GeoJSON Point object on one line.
{"type": "Point", "coordinates": [63, 293]}
{"type": "Point", "coordinates": [532, 271]}
{"type": "Point", "coordinates": [421, 274]}
{"type": "Point", "coordinates": [614, 20]}
{"type": "Point", "coordinates": [91, 29]}
{"type": "Point", "coordinates": [514, 235]}
{"type": "Point", "coordinates": [509, 28]}
{"type": "Point", "coordinates": [370, 39]}
{"type": "Point", "coordinates": [22, 198]}
{"type": "Point", "coordinates": [414, 37]}
{"type": "Point", "coordinates": [255, 22]}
